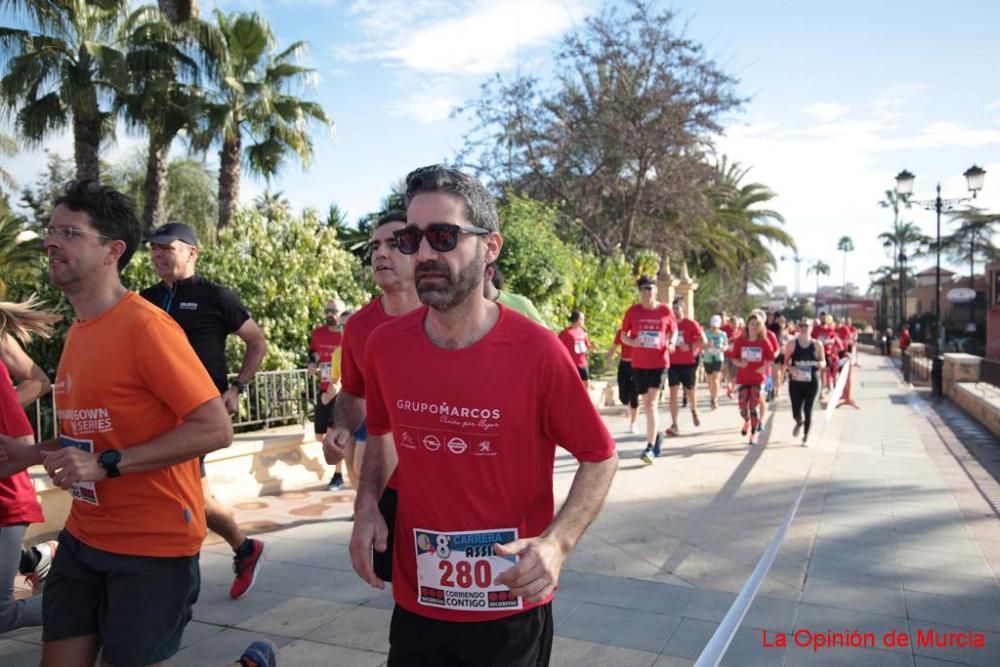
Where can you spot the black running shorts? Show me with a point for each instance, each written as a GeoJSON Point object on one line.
{"type": "Point", "coordinates": [137, 605]}
{"type": "Point", "coordinates": [521, 640]}
{"type": "Point", "coordinates": [682, 374]}
{"type": "Point", "coordinates": [647, 378]}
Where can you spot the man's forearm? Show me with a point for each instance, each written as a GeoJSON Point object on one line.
{"type": "Point", "coordinates": [206, 429]}
{"type": "Point", "coordinates": [586, 496]}
{"type": "Point", "coordinates": [252, 359]}
{"type": "Point", "coordinates": [372, 484]}
{"type": "Point", "coordinates": [349, 411]}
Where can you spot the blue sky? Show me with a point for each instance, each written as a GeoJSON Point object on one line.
{"type": "Point", "coordinates": [843, 96]}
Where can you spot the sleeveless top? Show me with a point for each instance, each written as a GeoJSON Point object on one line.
{"type": "Point", "coordinates": [803, 362]}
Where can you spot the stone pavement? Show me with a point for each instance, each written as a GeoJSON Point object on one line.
{"type": "Point", "coordinates": [898, 531]}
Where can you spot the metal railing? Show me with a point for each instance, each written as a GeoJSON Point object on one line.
{"type": "Point", "coordinates": [273, 398]}
{"type": "Point", "coordinates": [276, 398]}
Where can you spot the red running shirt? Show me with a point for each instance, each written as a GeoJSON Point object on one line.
{"type": "Point", "coordinates": [476, 430]}
{"type": "Point", "coordinates": [359, 327]}
{"type": "Point", "coordinates": [653, 328]}
{"type": "Point", "coordinates": [758, 353]}
{"type": "Point", "coordinates": [324, 342]}
{"type": "Point", "coordinates": [690, 333]}
{"type": "Point", "coordinates": [577, 343]}
{"type": "Point", "coordinates": [18, 503]}
{"type": "Point", "coordinates": [827, 335]}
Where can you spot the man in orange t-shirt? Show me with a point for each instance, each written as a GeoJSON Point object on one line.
{"type": "Point", "coordinates": [136, 408]}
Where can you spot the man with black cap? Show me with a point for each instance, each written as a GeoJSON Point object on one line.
{"type": "Point", "coordinates": [208, 313]}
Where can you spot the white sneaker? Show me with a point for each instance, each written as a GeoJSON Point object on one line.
{"type": "Point", "coordinates": [633, 429]}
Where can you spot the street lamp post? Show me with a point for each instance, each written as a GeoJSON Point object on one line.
{"type": "Point", "coordinates": [974, 177]}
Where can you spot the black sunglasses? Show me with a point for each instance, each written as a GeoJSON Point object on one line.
{"type": "Point", "coordinates": [441, 236]}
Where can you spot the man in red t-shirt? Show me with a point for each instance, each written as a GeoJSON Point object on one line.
{"type": "Point", "coordinates": [463, 391]}
{"type": "Point", "coordinates": [651, 330]}
{"type": "Point", "coordinates": [577, 343]}
{"type": "Point", "coordinates": [684, 365]}
{"type": "Point", "coordinates": [346, 438]}
{"type": "Point", "coordinates": [323, 342]}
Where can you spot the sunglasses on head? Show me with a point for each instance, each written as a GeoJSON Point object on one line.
{"type": "Point", "coordinates": [646, 288]}
{"type": "Point", "coordinates": [441, 236]}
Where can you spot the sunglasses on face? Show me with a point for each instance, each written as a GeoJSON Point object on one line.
{"type": "Point", "coordinates": [441, 236]}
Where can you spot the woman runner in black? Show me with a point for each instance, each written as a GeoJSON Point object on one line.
{"type": "Point", "coordinates": [804, 359]}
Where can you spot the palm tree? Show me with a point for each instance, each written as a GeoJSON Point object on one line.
{"type": "Point", "coordinates": [845, 245]}
{"type": "Point", "coordinates": [820, 268]}
{"type": "Point", "coordinates": [273, 206]}
{"type": "Point", "coordinates": [736, 239]}
{"type": "Point", "coordinates": [65, 71]}
{"type": "Point", "coordinates": [254, 103]}
{"type": "Point", "coordinates": [163, 99]}
{"type": "Point", "coordinates": [8, 148]}
{"type": "Point", "coordinates": [895, 201]}
{"type": "Point", "coordinates": [179, 11]}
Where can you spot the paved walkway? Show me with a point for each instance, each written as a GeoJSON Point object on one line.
{"type": "Point", "coordinates": [896, 533]}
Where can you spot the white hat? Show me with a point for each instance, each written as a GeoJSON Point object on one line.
{"type": "Point", "coordinates": [715, 321]}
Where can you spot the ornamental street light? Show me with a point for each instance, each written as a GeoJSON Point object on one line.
{"type": "Point", "coordinates": [974, 177]}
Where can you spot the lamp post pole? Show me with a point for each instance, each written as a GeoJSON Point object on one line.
{"type": "Point", "coordinates": [974, 177]}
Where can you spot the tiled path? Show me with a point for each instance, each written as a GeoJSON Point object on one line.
{"type": "Point", "coordinates": [896, 533]}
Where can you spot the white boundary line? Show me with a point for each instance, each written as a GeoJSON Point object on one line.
{"type": "Point", "coordinates": [716, 647]}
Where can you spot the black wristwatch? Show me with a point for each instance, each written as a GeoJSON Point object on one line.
{"type": "Point", "coordinates": [108, 459]}
{"type": "Point", "coordinates": [240, 387]}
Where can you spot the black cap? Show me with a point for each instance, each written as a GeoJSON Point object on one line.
{"type": "Point", "coordinates": [643, 281]}
{"type": "Point", "coordinates": [166, 234]}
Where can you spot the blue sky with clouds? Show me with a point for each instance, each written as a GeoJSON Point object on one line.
{"type": "Point", "coordinates": [843, 95]}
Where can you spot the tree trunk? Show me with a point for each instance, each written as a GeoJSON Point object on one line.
{"type": "Point", "coordinates": [87, 144]}
{"type": "Point", "coordinates": [178, 11]}
{"type": "Point", "coordinates": [229, 180]}
{"type": "Point", "coordinates": [154, 208]}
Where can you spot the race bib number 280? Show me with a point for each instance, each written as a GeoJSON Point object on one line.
{"type": "Point", "coordinates": [456, 570]}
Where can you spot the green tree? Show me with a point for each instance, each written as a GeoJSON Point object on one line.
{"type": "Point", "coordinates": [845, 245]}
{"type": "Point", "coordinates": [65, 70]}
{"type": "Point", "coordinates": [255, 105]}
{"type": "Point", "coordinates": [20, 249]}
{"type": "Point", "coordinates": [617, 143]}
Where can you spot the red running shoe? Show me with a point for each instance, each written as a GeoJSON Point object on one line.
{"type": "Point", "coordinates": [246, 568]}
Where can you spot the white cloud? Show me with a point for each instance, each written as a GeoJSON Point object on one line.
{"type": "Point", "coordinates": [993, 106]}
{"type": "Point", "coordinates": [827, 111]}
{"type": "Point", "coordinates": [486, 38]}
